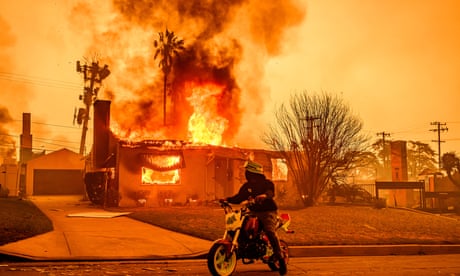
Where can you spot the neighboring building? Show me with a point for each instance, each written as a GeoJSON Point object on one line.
{"type": "Point", "coordinates": [398, 195]}
{"type": "Point", "coordinates": [9, 176]}
{"type": "Point", "coordinates": [57, 173]}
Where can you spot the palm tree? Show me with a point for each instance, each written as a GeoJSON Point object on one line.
{"type": "Point", "coordinates": [167, 46]}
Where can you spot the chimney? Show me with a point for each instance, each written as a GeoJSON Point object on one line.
{"type": "Point", "coordinates": [25, 152]}
{"type": "Point", "coordinates": [101, 140]}
{"type": "Point", "coordinates": [399, 161]}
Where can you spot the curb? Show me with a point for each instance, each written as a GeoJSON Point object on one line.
{"type": "Point", "coordinates": [373, 250]}
{"type": "Point", "coordinates": [16, 257]}
{"type": "Point", "coordinates": [294, 252]}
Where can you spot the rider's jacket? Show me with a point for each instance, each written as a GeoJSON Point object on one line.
{"type": "Point", "coordinates": [254, 187]}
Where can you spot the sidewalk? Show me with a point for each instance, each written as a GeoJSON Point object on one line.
{"type": "Point", "coordinates": [85, 232]}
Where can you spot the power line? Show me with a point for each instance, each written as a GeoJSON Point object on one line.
{"type": "Point", "coordinates": [55, 140]}
{"type": "Point", "coordinates": [54, 125]}
{"type": "Point", "coordinates": [38, 81]}
{"type": "Point", "coordinates": [43, 140]}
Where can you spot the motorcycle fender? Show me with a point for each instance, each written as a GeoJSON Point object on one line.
{"type": "Point", "coordinates": [226, 243]}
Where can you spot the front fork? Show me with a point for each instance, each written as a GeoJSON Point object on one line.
{"type": "Point", "coordinates": [231, 243]}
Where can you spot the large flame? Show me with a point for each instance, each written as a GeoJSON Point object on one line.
{"type": "Point", "coordinates": [226, 43]}
{"type": "Point", "coordinates": [206, 125]}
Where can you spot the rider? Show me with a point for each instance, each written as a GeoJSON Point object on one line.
{"type": "Point", "coordinates": [262, 190]}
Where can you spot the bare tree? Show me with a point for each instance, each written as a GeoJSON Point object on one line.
{"type": "Point", "coordinates": [319, 137]}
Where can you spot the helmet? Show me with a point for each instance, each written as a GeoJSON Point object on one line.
{"type": "Point", "coordinates": [254, 167]}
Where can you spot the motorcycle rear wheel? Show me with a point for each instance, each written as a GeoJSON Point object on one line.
{"type": "Point", "coordinates": [274, 266]}
{"type": "Point", "coordinates": [219, 264]}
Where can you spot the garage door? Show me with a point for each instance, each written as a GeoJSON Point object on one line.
{"type": "Point", "coordinates": [58, 182]}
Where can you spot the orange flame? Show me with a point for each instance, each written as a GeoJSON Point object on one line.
{"type": "Point", "coordinates": [151, 176]}
{"type": "Point", "coordinates": [205, 125]}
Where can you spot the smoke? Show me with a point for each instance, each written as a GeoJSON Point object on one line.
{"type": "Point", "coordinates": [227, 43]}
{"type": "Point", "coordinates": [7, 143]}
{"type": "Point", "coordinates": [7, 40]}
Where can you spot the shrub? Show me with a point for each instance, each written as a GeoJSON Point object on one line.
{"type": "Point", "coordinates": [4, 192]}
{"type": "Point", "coordinates": [380, 203]}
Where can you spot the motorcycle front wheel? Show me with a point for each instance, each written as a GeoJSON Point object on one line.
{"type": "Point", "coordinates": [219, 262]}
{"type": "Point", "coordinates": [274, 266]}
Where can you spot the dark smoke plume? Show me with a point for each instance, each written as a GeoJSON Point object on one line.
{"type": "Point", "coordinates": [227, 43]}
{"type": "Point", "coordinates": [8, 94]}
{"type": "Point", "coordinates": [7, 142]}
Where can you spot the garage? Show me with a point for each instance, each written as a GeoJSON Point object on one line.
{"type": "Point", "coordinates": [58, 182]}
{"type": "Point", "coordinates": [57, 173]}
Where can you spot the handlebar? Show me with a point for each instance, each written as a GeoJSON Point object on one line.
{"type": "Point", "coordinates": [227, 206]}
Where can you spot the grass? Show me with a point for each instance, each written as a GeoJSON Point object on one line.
{"type": "Point", "coordinates": [321, 225]}
{"type": "Point", "coordinates": [21, 219]}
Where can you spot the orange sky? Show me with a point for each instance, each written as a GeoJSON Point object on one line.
{"type": "Point", "coordinates": [395, 62]}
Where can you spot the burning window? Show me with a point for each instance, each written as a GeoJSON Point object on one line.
{"type": "Point", "coordinates": [161, 169]}
{"type": "Point", "coordinates": [150, 176]}
{"type": "Point", "coordinates": [279, 169]}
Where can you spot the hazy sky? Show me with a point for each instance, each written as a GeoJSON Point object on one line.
{"type": "Point", "coordinates": [396, 63]}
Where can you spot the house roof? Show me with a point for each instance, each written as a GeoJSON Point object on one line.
{"type": "Point", "coordinates": [178, 145]}
{"type": "Point", "coordinates": [60, 152]}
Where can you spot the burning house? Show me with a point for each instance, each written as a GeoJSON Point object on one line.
{"type": "Point", "coordinates": [166, 142]}
{"type": "Point", "coordinates": [166, 172]}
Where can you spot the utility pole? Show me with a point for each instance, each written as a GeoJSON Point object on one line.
{"type": "Point", "coordinates": [92, 75]}
{"type": "Point", "coordinates": [439, 128]}
{"type": "Point", "coordinates": [385, 154]}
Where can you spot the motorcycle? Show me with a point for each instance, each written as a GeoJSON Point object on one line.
{"type": "Point", "coordinates": [244, 239]}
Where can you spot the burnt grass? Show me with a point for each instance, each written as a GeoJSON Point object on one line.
{"type": "Point", "coordinates": [321, 225]}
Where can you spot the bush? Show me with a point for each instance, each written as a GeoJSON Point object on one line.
{"type": "Point", "coordinates": [351, 193]}
{"type": "Point", "coordinates": [4, 192]}
{"type": "Point", "coordinates": [380, 203]}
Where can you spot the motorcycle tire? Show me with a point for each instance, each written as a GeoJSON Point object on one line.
{"type": "Point", "coordinates": [219, 264]}
{"type": "Point", "coordinates": [274, 266]}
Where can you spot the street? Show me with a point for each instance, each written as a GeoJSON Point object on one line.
{"type": "Point", "coordinates": [356, 265]}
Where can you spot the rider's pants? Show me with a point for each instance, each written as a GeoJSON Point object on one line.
{"type": "Point", "coordinates": [269, 220]}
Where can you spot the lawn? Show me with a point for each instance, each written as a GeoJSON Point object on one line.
{"type": "Point", "coordinates": [319, 225]}
{"type": "Point", "coordinates": [322, 225]}
{"type": "Point", "coordinates": [21, 219]}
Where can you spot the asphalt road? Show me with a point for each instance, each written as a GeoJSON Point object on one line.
{"type": "Point", "coordinates": [341, 266]}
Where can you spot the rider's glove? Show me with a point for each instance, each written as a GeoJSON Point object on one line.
{"type": "Point", "coordinates": [260, 198]}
